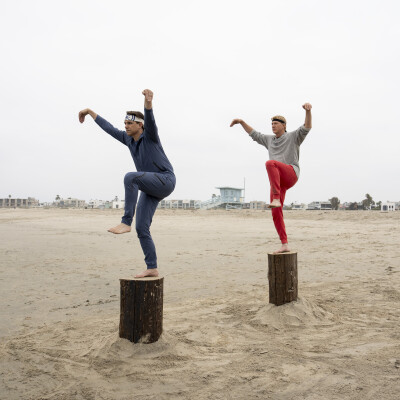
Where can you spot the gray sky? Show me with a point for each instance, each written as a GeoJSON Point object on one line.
{"type": "Point", "coordinates": [207, 62]}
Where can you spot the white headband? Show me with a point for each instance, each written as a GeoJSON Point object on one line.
{"type": "Point", "coordinates": [130, 117]}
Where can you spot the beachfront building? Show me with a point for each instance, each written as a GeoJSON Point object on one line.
{"type": "Point", "coordinates": [298, 206]}
{"type": "Point", "coordinates": [181, 204]}
{"type": "Point", "coordinates": [258, 205]}
{"type": "Point", "coordinates": [388, 206]}
{"type": "Point", "coordinates": [10, 202]}
{"type": "Point", "coordinates": [94, 203]}
{"type": "Point", "coordinates": [319, 205]}
{"type": "Point", "coordinates": [117, 203]}
{"type": "Point", "coordinates": [70, 203]}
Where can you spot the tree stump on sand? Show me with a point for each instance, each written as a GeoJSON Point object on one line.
{"type": "Point", "coordinates": [282, 276]}
{"type": "Point", "coordinates": [141, 315]}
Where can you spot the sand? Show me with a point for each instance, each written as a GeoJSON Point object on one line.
{"type": "Point", "coordinates": [59, 282]}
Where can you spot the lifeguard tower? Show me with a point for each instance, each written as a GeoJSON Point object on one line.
{"type": "Point", "coordinates": [229, 198]}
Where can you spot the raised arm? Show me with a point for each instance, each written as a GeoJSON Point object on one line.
{"type": "Point", "coordinates": [308, 120]}
{"type": "Point", "coordinates": [246, 127]}
{"type": "Point", "coordinates": [83, 113]}
{"type": "Point", "coordinates": [149, 121]}
{"type": "Point", "coordinates": [106, 126]}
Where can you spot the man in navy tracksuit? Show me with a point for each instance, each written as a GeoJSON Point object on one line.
{"type": "Point", "coordinates": [154, 177]}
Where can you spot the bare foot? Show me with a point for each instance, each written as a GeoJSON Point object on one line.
{"type": "Point", "coordinates": [121, 228]}
{"type": "Point", "coordinates": [149, 272]}
{"type": "Point", "coordinates": [275, 204]}
{"type": "Point", "coordinates": [284, 249]}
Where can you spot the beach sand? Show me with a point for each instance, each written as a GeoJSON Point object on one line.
{"type": "Point", "coordinates": [59, 315]}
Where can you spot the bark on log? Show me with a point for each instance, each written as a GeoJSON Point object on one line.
{"type": "Point", "coordinates": [282, 276]}
{"type": "Point", "coordinates": [141, 315]}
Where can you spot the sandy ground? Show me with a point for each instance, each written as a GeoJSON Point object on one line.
{"type": "Point", "coordinates": [59, 314]}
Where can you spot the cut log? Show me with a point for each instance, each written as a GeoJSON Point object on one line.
{"type": "Point", "coordinates": [141, 315]}
{"type": "Point", "coordinates": [282, 277]}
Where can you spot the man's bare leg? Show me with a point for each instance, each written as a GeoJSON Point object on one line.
{"type": "Point", "coordinates": [149, 272]}
{"type": "Point", "coordinates": [284, 249]}
{"type": "Point", "coordinates": [275, 204]}
{"type": "Point", "coordinates": [121, 228]}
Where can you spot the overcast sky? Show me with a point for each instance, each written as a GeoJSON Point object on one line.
{"type": "Point", "coordinates": [207, 62]}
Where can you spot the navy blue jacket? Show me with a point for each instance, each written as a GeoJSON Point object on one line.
{"type": "Point", "coordinates": [147, 153]}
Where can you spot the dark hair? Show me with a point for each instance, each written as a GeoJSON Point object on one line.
{"type": "Point", "coordinates": [136, 114]}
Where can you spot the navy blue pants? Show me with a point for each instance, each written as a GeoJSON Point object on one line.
{"type": "Point", "coordinates": [154, 187]}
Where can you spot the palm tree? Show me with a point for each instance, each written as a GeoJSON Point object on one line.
{"type": "Point", "coordinates": [58, 197]}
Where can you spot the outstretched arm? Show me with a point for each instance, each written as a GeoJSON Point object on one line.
{"type": "Point", "coordinates": [149, 121]}
{"type": "Point", "coordinates": [307, 122]}
{"type": "Point", "coordinates": [256, 136]}
{"type": "Point", "coordinates": [106, 126]}
{"type": "Point", "coordinates": [83, 113]}
{"type": "Point", "coordinates": [246, 127]}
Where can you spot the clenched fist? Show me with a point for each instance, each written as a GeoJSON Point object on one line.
{"type": "Point", "coordinates": [307, 106]}
{"type": "Point", "coordinates": [148, 95]}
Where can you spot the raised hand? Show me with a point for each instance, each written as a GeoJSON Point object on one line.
{"type": "Point", "coordinates": [307, 106]}
{"type": "Point", "coordinates": [235, 121]}
{"type": "Point", "coordinates": [86, 111]}
{"type": "Point", "coordinates": [82, 115]}
{"type": "Point", "coordinates": [148, 98]}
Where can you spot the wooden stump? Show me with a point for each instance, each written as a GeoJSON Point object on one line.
{"type": "Point", "coordinates": [141, 315]}
{"type": "Point", "coordinates": [282, 276]}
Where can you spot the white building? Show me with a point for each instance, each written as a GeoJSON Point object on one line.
{"type": "Point", "coordinates": [95, 203]}
{"type": "Point", "coordinates": [388, 206]}
{"type": "Point", "coordinates": [118, 204]}
{"type": "Point", "coordinates": [299, 206]}
{"type": "Point", "coordinates": [320, 205]}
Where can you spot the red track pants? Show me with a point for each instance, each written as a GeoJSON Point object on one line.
{"type": "Point", "coordinates": [281, 178]}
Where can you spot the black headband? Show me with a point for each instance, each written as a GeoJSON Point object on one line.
{"type": "Point", "coordinates": [279, 120]}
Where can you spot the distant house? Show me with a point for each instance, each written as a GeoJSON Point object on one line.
{"type": "Point", "coordinates": [94, 203]}
{"type": "Point", "coordinates": [258, 205]}
{"type": "Point", "coordinates": [70, 203]}
{"type": "Point", "coordinates": [298, 206]}
{"type": "Point", "coordinates": [181, 204]}
{"type": "Point", "coordinates": [388, 206]}
{"type": "Point", "coordinates": [9, 202]}
{"type": "Point", "coordinates": [320, 205]}
{"type": "Point", "coordinates": [118, 203]}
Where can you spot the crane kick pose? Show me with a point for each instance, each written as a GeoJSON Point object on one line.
{"type": "Point", "coordinates": [283, 166]}
{"type": "Point", "coordinates": [155, 176]}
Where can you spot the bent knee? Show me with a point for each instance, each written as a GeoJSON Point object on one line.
{"type": "Point", "coordinates": [132, 177]}
{"type": "Point", "coordinates": [270, 163]}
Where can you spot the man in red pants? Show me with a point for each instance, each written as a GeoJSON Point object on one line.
{"type": "Point", "coordinates": [283, 166]}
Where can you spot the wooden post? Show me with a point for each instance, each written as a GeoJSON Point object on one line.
{"type": "Point", "coordinates": [282, 276]}
{"type": "Point", "coordinates": [141, 315]}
